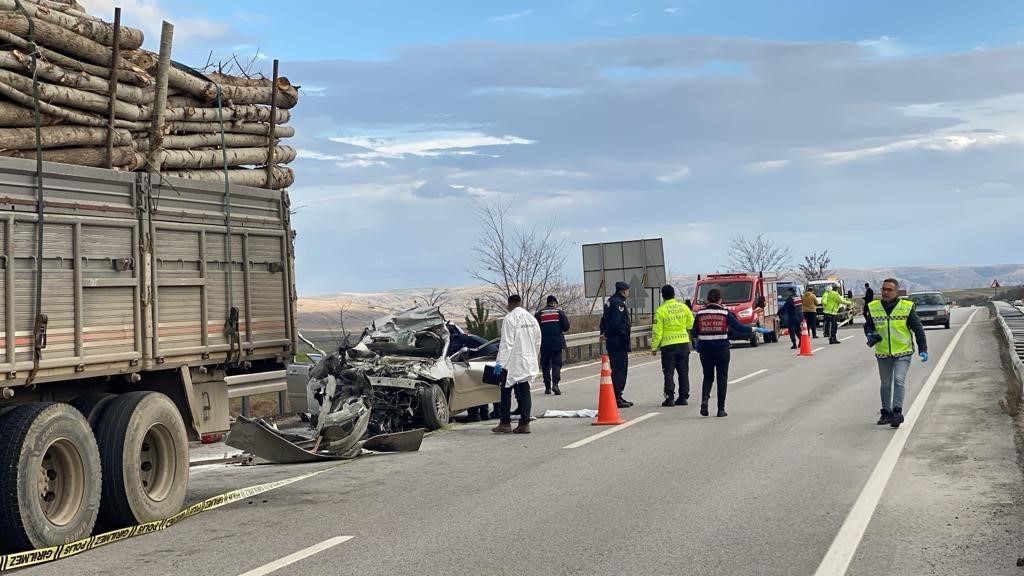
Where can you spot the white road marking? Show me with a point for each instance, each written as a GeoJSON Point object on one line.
{"type": "Point", "coordinates": [295, 557]}
{"type": "Point", "coordinates": [840, 553]}
{"type": "Point", "coordinates": [564, 382]}
{"type": "Point", "coordinates": [611, 430]}
{"type": "Point", "coordinates": [748, 376]}
{"type": "Point", "coordinates": [847, 338]}
{"type": "Point", "coordinates": [818, 349]}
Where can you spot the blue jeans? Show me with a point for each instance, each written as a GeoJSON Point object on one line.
{"type": "Point", "coordinates": [893, 372]}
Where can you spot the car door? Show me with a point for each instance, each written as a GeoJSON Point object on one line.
{"type": "Point", "coordinates": [469, 389]}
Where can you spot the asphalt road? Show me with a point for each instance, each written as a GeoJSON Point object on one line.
{"type": "Point", "coordinates": [767, 490]}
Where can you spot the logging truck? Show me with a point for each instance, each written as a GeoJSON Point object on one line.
{"type": "Point", "coordinates": [137, 278]}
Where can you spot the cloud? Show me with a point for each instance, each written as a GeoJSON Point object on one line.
{"type": "Point", "coordinates": [676, 175]}
{"type": "Point", "coordinates": [431, 144]}
{"type": "Point", "coordinates": [513, 16]}
{"type": "Point", "coordinates": [633, 17]}
{"type": "Point", "coordinates": [671, 10]}
{"type": "Point", "coordinates": [885, 46]}
{"type": "Point", "coordinates": [149, 15]}
{"type": "Point", "coordinates": [802, 120]}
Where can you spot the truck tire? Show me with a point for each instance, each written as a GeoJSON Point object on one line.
{"type": "Point", "coordinates": [50, 473]}
{"type": "Point", "coordinates": [92, 405]}
{"type": "Point", "coordinates": [433, 406]}
{"type": "Point", "coordinates": [753, 340]}
{"type": "Point", "coordinates": [144, 451]}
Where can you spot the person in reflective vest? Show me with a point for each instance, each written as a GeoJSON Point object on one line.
{"type": "Point", "coordinates": [831, 300]}
{"type": "Point", "coordinates": [711, 331]}
{"type": "Point", "coordinates": [670, 333]}
{"type": "Point", "coordinates": [891, 327]}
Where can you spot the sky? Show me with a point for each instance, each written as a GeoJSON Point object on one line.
{"type": "Point", "coordinates": [889, 133]}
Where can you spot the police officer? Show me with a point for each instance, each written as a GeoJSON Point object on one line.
{"type": "Point", "coordinates": [671, 334]}
{"type": "Point", "coordinates": [892, 326]}
{"type": "Point", "coordinates": [830, 302]}
{"type": "Point", "coordinates": [553, 326]}
{"type": "Point", "coordinates": [711, 327]}
{"type": "Point", "coordinates": [615, 329]}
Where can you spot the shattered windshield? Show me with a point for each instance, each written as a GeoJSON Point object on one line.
{"type": "Point", "coordinates": [417, 332]}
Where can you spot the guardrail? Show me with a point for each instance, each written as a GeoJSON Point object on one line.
{"type": "Point", "coordinates": [1011, 320]}
{"type": "Point", "coordinates": [588, 346]}
{"type": "Point", "coordinates": [245, 385]}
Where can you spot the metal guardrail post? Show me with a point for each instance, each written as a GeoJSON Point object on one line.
{"type": "Point", "coordinates": [245, 406]}
{"type": "Point", "coordinates": [282, 398]}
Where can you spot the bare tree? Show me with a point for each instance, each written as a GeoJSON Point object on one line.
{"type": "Point", "coordinates": [438, 298]}
{"type": "Point", "coordinates": [337, 330]}
{"type": "Point", "coordinates": [757, 254]}
{"type": "Point", "coordinates": [515, 258]}
{"type": "Point", "coordinates": [816, 266]}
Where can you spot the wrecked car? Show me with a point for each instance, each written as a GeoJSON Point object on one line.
{"type": "Point", "coordinates": [340, 431]}
{"type": "Point", "coordinates": [416, 380]}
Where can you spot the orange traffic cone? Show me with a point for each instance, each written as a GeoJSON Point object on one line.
{"type": "Point", "coordinates": [805, 340]}
{"type": "Point", "coordinates": [607, 408]}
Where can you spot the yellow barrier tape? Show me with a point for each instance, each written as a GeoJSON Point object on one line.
{"type": "Point", "coordinates": [45, 555]}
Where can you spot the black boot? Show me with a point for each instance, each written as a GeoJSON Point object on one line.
{"type": "Point", "coordinates": [556, 390]}
{"type": "Point", "coordinates": [886, 417]}
{"type": "Point", "coordinates": [704, 407]}
{"type": "Point", "coordinates": [897, 417]}
{"type": "Point", "coordinates": [547, 389]}
{"type": "Point", "coordinates": [668, 401]}
{"type": "Point", "coordinates": [721, 413]}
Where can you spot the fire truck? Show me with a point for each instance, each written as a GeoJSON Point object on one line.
{"type": "Point", "coordinates": [751, 297]}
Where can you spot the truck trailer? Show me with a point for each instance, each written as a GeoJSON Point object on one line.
{"type": "Point", "coordinates": [126, 299]}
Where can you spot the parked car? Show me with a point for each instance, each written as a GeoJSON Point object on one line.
{"type": "Point", "coordinates": [932, 308]}
{"type": "Point", "coordinates": [1018, 302]}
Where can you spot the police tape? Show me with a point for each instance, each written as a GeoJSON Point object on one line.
{"type": "Point", "coordinates": [53, 553]}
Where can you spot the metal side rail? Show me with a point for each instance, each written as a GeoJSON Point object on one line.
{"type": "Point", "coordinates": [245, 385]}
{"type": "Point", "coordinates": [1011, 319]}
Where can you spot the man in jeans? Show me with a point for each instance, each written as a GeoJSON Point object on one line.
{"type": "Point", "coordinates": [671, 334]}
{"type": "Point", "coordinates": [711, 328]}
{"type": "Point", "coordinates": [517, 354]}
{"type": "Point", "coordinates": [891, 326]}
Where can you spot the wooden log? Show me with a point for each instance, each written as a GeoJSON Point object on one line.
{"type": "Point", "coordinates": [283, 176]}
{"type": "Point", "coordinates": [195, 141]}
{"type": "Point", "coordinates": [125, 73]}
{"type": "Point", "coordinates": [66, 6]}
{"type": "Point", "coordinates": [260, 128]}
{"type": "Point", "coordinates": [60, 137]}
{"type": "Point", "coordinates": [59, 38]}
{"type": "Point", "coordinates": [287, 95]}
{"type": "Point", "coordinates": [216, 158]}
{"type": "Point", "coordinates": [185, 101]}
{"type": "Point", "coordinates": [158, 129]}
{"type": "Point", "coordinates": [244, 112]}
{"type": "Point", "coordinates": [70, 116]}
{"type": "Point", "coordinates": [14, 116]}
{"type": "Point", "coordinates": [123, 156]}
{"type": "Point", "coordinates": [98, 30]}
{"type": "Point", "coordinates": [73, 97]}
{"type": "Point", "coordinates": [22, 63]}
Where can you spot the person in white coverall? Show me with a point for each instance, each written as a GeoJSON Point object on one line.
{"type": "Point", "coordinates": [517, 355]}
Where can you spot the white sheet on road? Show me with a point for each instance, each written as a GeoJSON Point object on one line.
{"type": "Point", "coordinates": [584, 413]}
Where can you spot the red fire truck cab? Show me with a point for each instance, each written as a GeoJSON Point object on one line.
{"type": "Point", "coordinates": [751, 297]}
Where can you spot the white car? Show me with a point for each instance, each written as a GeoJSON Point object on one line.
{"type": "Point", "coordinates": [1018, 302]}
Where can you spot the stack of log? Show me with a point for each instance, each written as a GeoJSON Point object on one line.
{"type": "Point", "coordinates": [74, 72]}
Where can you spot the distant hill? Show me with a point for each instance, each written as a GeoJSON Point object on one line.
{"type": "Point", "coordinates": [321, 312]}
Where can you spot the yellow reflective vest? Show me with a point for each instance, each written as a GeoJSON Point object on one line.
{"type": "Point", "coordinates": [897, 339]}
{"type": "Point", "coordinates": [672, 323]}
{"type": "Point", "coordinates": [831, 300]}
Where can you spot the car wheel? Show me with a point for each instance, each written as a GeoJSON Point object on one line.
{"type": "Point", "coordinates": [433, 407]}
{"type": "Point", "coordinates": [753, 340]}
{"type": "Point", "coordinates": [144, 450]}
{"type": "Point", "coordinates": [50, 471]}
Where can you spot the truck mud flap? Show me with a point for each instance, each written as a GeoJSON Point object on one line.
{"type": "Point", "coordinates": [261, 440]}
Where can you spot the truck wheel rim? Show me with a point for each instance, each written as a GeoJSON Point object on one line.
{"type": "Point", "coordinates": [157, 462]}
{"type": "Point", "coordinates": [61, 482]}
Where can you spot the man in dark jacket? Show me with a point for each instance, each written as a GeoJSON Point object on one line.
{"type": "Point", "coordinates": [553, 326]}
{"type": "Point", "coordinates": [791, 317]}
{"type": "Point", "coordinates": [869, 295]}
{"type": "Point", "coordinates": [615, 330]}
{"type": "Point", "coordinates": [711, 331]}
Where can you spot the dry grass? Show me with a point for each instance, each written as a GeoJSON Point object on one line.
{"type": "Point", "coordinates": [260, 406]}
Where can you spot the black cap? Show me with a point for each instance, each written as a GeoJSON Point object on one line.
{"type": "Point", "coordinates": [552, 299]}
{"type": "Point", "coordinates": [621, 286]}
